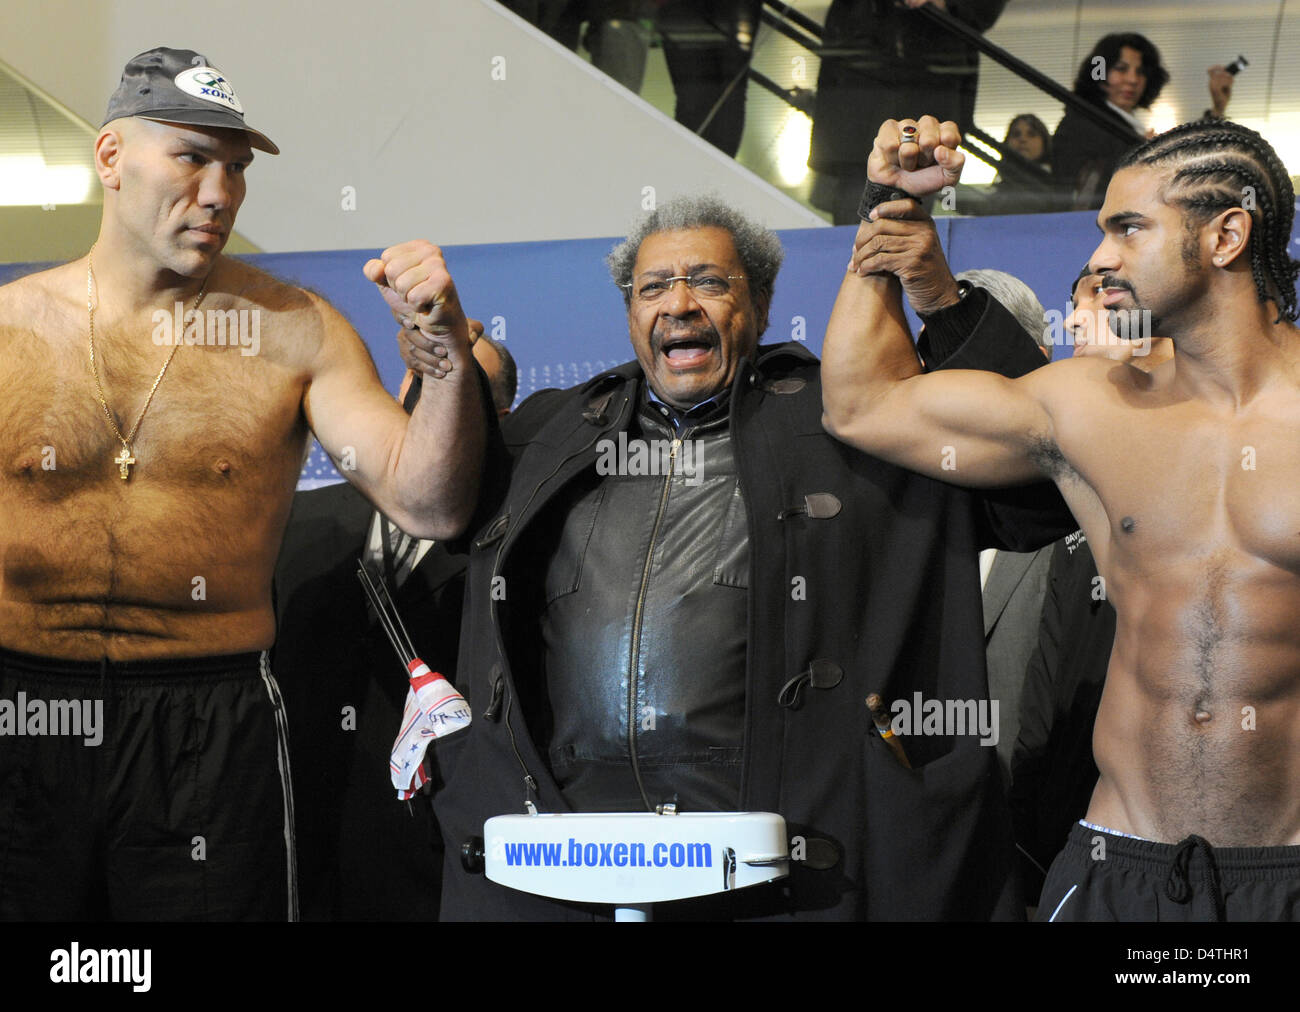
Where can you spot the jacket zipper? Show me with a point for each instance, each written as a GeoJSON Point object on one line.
{"type": "Point", "coordinates": [530, 781]}
{"type": "Point", "coordinates": [636, 624]}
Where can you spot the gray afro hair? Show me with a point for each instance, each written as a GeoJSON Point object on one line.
{"type": "Point", "coordinates": [759, 248]}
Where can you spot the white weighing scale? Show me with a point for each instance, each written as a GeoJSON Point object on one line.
{"type": "Point", "coordinates": [635, 859]}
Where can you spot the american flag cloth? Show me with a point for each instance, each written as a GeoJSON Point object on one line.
{"type": "Point", "coordinates": [433, 709]}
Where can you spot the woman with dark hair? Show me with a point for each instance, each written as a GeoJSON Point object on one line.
{"type": "Point", "coordinates": [1122, 74]}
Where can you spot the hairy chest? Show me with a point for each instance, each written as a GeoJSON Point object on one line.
{"type": "Point", "coordinates": [216, 416]}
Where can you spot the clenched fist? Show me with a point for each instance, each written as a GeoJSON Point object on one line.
{"type": "Point", "coordinates": [415, 285]}
{"type": "Point", "coordinates": [921, 166]}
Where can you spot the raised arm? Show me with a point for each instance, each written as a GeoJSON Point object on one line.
{"type": "Point", "coordinates": [422, 471]}
{"type": "Point", "coordinates": [966, 427]}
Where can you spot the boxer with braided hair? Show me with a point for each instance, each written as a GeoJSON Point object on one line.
{"type": "Point", "coordinates": [1185, 477]}
{"type": "Point", "coordinates": [1218, 164]}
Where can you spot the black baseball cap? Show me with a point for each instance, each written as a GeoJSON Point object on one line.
{"type": "Point", "coordinates": [181, 86]}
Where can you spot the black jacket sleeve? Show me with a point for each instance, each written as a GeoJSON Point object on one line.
{"type": "Point", "coordinates": [979, 333]}
{"type": "Point", "coordinates": [946, 331]}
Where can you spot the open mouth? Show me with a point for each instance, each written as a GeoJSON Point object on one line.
{"type": "Point", "coordinates": [687, 351]}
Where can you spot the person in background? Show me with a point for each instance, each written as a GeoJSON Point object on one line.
{"type": "Point", "coordinates": [1012, 583]}
{"type": "Point", "coordinates": [363, 855]}
{"type": "Point", "coordinates": [613, 33]}
{"type": "Point", "coordinates": [882, 59]}
{"type": "Point", "coordinates": [1122, 74]}
{"type": "Point", "coordinates": [1024, 184]}
{"type": "Point", "coordinates": [708, 45]}
{"type": "Point", "coordinates": [1028, 136]}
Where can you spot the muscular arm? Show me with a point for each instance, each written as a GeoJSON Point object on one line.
{"type": "Point", "coordinates": [421, 471]}
{"type": "Point", "coordinates": [875, 397]}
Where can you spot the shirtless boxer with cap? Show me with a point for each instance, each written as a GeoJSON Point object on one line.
{"type": "Point", "coordinates": [145, 481]}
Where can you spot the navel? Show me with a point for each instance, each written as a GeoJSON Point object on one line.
{"type": "Point", "coordinates": [1203, 716]}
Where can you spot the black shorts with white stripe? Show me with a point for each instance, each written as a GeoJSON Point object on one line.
{"type": "Point", "coordinates": [1105, 876]}
{"type": "Point", "coordinates": [146, 790]}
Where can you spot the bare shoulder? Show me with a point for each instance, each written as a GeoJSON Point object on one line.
{"type": "Point", "coordinates": [42, 286]}
{"type": "Point", "coordinates": [1081, 395]}
{"type": "Point", "coordinates": [1085, 379]}
{"type": "Point", "coordinates": [39, 303]}
{"type": "Point", "coordinates": [243, 281]}
{"type": "Point", "coordinates": [302, 323]}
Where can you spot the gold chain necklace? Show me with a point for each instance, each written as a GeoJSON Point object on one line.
{"type": "Point", "coordinates": [126, 458]}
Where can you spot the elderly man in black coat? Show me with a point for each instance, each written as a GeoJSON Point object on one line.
{"type": "Point", "coordinates": [681, 590]}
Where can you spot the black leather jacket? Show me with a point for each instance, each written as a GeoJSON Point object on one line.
{"type": "Point", "coordinates": [642, 620]}
{"type": "Point", "coordinates": [884, 589]}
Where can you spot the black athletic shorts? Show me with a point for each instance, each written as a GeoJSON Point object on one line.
{"type": "Point", "coordinates": [1101, 876]}
{"type": "Point", "coordinates": [146, 790]}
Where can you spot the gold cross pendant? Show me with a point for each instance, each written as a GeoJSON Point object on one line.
{"type": "Point", "coordinates": [124, 460]}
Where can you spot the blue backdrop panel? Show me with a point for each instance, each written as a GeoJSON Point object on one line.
{"type": "Point", "coordinates": [556, 308]}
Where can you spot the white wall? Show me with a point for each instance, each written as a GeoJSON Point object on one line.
{"type": "Point", "coordinates": [398, 100]}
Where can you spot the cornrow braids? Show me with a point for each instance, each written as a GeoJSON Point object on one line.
{"type": "Point", "coordinates": [1213, 163]}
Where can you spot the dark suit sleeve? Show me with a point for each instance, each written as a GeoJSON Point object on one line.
{"type": "Point", "coordinates": [1052, 768]}
{"type": "Point", "coordinates": [1031, 760]}
{"type": "Point", "coordinates": [505, 438]}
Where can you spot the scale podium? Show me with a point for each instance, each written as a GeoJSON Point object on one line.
{"type": "Point", "coordinates": [634, 859]}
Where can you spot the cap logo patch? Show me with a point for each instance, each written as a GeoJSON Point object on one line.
{"type": "Point", "coordinates": [209, 84]}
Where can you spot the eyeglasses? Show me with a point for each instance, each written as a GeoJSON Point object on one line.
{"type": "Point", "coordinates": [709, 286]}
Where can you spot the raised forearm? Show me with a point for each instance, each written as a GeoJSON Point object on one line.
{"type": "Point", "coordinates": [868, 349]}
{"type": "Point", "coordinates": [431, 480]}
{"type": "Point", "coordinates": [435, 474]}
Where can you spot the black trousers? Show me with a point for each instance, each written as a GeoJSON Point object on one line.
{"type": "Point", "coordinates": [154, 790]}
